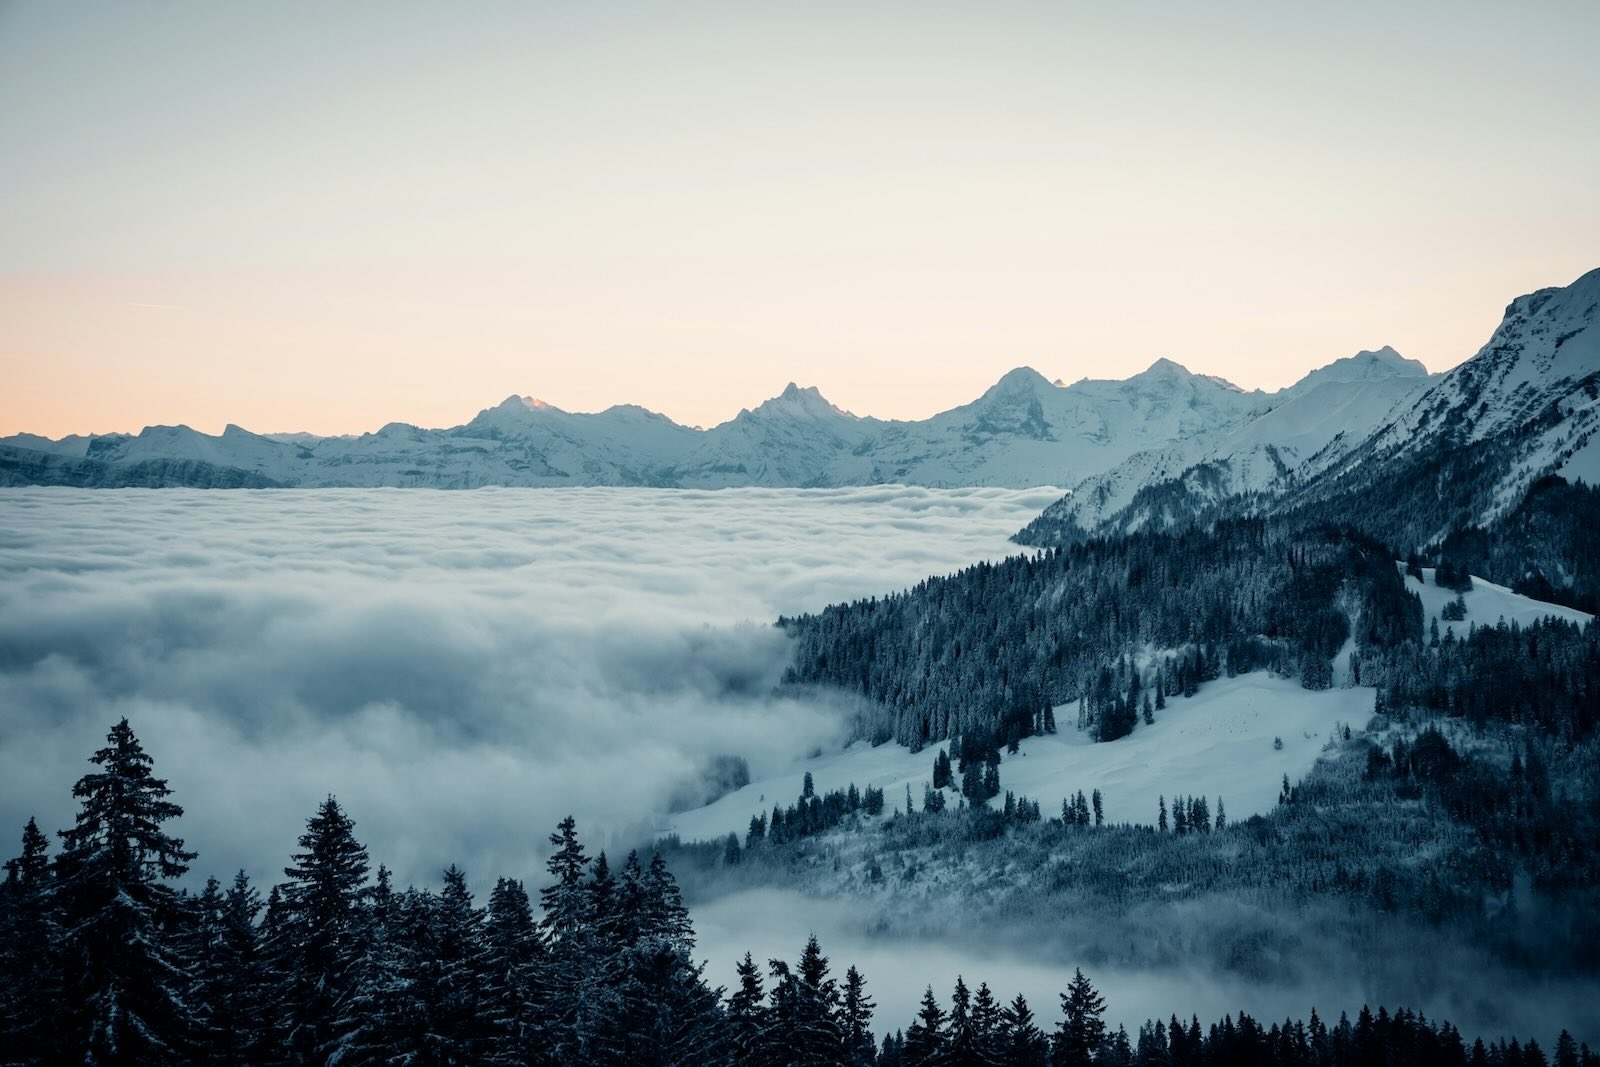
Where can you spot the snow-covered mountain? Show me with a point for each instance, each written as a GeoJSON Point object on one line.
{"type": "Point", "coordinates": [1023, 431]}
{"type": "Point", "coordinates": [1149, 449]}
{"type": "Point", "coordinates": [1343, 401]}
{"type": "Point", "coordinates": [1526, 405]}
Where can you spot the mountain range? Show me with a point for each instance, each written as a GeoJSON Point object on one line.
{"type": "Point", "coordinates": [1023, 431]}
{"type": "Point", "coordinates": [1157, 447]}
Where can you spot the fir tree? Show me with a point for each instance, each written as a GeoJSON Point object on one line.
{"type": "Point", "coordinates": [1079, 1034]}
{"type": "Point", "coordinates": [324, 933]}
{"type": "Point", "coordinates": [1023, 1044]}
{"type": "Point", "coordinates": [511, 975]}
{"type": "Point", "coordinates": [855, 1020]}
{"type": "Point", "coordinates": [925, 1045]}
{"type": "Point", "coordinates": [747, 1016]}
{"type": "Point", "coordinates": [30, 987]}
{"type": "Point", "coordinates": [124, 982]}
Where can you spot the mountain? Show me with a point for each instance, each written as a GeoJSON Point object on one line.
{"type": "Point", "coordinates": [1025, 430]}
{"type": "Point", "coordinates": [1350, 440]}
{"type": "Point", "coordinates": [1341, 402]}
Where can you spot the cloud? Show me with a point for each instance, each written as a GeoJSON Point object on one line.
{"type": "Point", "coordinates": [461, 669]}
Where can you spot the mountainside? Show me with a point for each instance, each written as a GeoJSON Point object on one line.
{"type": "Point", "coordinates": [1412, 465]}
{"type": "Point", "coordinates": [1330, 407]}
{"type": "Point", "coordinates": [1024, 431]}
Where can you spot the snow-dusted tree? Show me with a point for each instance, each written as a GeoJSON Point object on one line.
{"type": "Point", "coordinates": [855, 1020]}
{"type": "Point", "coordinates": [1022, 1043]}
{"type": "Point", "coordinates": [747, 1016]}
{"type": "Point", "coordinates": [925, 1045]}
{"type": "Point", "coordinates": [324, 934]}
{"type": "Point", "coordinates": [124, 980]}
{"type": "Point", "coordinates": [1081, 1031]}
{"type": "Point", "coordinates": [30, 985]}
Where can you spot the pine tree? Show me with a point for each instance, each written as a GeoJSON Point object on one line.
{"type": "Point", "coordinates": [855, 1020]}
{"type": "Point", "coordinates": [324, 933]}
{"type": "Point", "coordinates": [511, 975]}
{"type": "Point", "coordinates": [1099, 809]}
{"type": "Point", "coordinates": [1022, 1042]}
{"type": "Point", "coordinates": [30, 987]}
{"type": "Point", "coordinates": [925, 1045]}
{"type": "Point", "coordinates": [986, 1027]}
{"type": "Point", "coordinates": [1161, 816]}
{"type": "Point", "coordinates": [961, 1043]}
{"type": "Point", "coordinates": [1079, 1034]}
{"type": "Point", "coordinates": [240, 986]}
{"type": "Point", "coordinates": [569, 933]}
{"type": "Point", "coordinates": [818, 1035]}
{"type": "Point", "coordinates": [452, 978]}
{"type": "Point", "coordinates": [124, 980]}
{"type": "Point", "coordinates": [747, 1016]}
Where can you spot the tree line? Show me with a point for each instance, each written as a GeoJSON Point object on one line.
{"type": "Point", "coordinates": [104, 961]}
{"type": "Point", "coordinates": [988, 651]}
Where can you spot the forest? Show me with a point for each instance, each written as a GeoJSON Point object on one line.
{"type": "Point", "coordinates": [104, 960]}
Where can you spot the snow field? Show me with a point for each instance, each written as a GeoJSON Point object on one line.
{"type": "Point", "coordinates": [1218, 743]}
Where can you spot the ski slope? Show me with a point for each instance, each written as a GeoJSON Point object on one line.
{"type": "Point", "coordinates": [1217, 743]}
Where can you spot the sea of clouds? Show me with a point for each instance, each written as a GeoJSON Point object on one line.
{"type": "Point", "coordinates": [460, 669]}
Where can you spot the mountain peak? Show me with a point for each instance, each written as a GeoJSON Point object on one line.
{"type": "Point", "coordinates": [806, 401]}
{"type": "Point", "coordinates": [1166, 366]}
{"type": "Point", "coordinates": [1019, 381]}
{"type": "Point", "coordinates": [525, 403]}
{"type": "Point", "coordinates": [1365, 366]}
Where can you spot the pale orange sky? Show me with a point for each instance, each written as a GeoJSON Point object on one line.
{"type": "Point", "coordinates": [327, 217]}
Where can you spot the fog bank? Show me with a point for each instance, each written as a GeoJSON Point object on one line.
{"type": "Point", "coordinates": [461, 669]}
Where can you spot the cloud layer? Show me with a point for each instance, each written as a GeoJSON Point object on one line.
{"type": "Point", "coordinates": [462, 669]}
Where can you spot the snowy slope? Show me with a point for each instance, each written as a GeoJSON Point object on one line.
{"type": "Point", "coordinates": [1487, 604]}
{"type": "Point", "coordinates": [1527, 404]}
{"type": "Point", "coordinates": [1327, 410]}
{"type": "Point", "coordinates": [1216, 743]}
{"type": "Point", "coordinates": [1533, 390]}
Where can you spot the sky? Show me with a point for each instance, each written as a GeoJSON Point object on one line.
{"type": "Point", "coordinates": [317, 217]}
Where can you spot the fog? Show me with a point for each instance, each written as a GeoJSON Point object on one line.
{"type": "Point", "coordinates": [1325, 958]}
{"type": "Point", "coordinates": [461, 669]}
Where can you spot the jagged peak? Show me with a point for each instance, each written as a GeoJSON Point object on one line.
{"type": "Point", "coordinates": [800, 400]}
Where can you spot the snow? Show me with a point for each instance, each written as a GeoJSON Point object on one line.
{"type": "Point", "coordinates": [1023, 432]}
{"type": "Point", "coordinates": [1218, 743]}
{"type": "Point", "coordinates": [1487, 604]}
{"type": "Point", "coordinates": [1337, 405]}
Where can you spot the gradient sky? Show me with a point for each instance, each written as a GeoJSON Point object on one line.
{"type": "Point", "coordinates": [329, 216]}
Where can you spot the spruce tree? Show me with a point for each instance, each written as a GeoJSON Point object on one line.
{"type": "Point", "coordinates": [1022, 1042]}
{"type": "Point", "coordinates": [1081, 1031]}
{"type": "Point", "coordinates": [855, 1020]}
{"type": "Point", "coordinates": [324, 931]}
{"type": "Point", "coordinates": [511, 961]}
{"type": "Point", "coordinates": [961, 1043]}
{"type": "Point", "coordinates": [747, 1016]}
{"type": "Point", "coordinates": [572, 1018]}
{"type": "Point", "coordinates": [925, 1046]}
{"type": "Point", "coordinates": [238, 986]}
{"type": "Point", "coordinates": [124, 982]}
{"type": "Point", "coordinates": [30, 985]}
